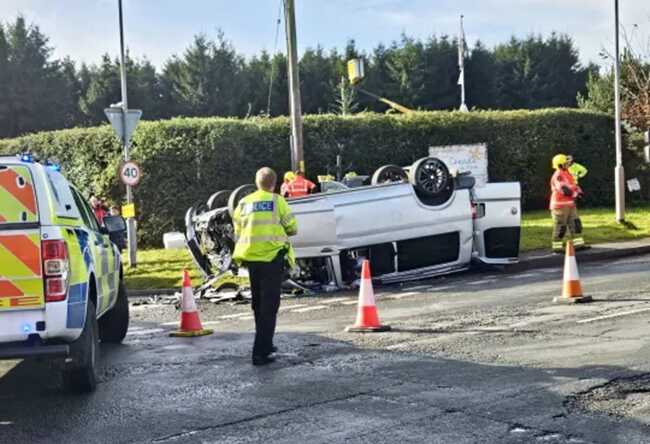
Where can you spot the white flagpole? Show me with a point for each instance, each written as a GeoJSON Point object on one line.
{"type": "Point", "coordinates": [461, 66]}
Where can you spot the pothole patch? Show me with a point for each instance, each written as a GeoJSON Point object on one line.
{"type": "Point", "coordinates": [623, 398]}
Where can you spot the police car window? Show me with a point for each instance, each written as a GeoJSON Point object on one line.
{"type": "Point", "coordinates": [87, 214]}
{"type": "Point", "coordinates": [64, 201]}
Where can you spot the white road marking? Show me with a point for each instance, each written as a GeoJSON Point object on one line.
{"type": "Point", "coordinates": [484, 281]}
{"type": "Point", "coordinates": [234, 316]}
{"type": "Point", "coordinates": [418, 288]}
{"type": "Point", "coordinates": [613, 315]}
{"type": "Point", "coordinates": [145, 332]}
{"type": "Point", "coordinates": [522, 276]}
{"type": "Point", "coordinates": [212, 323]}
{"type": "Point", "coordinates": [135, 328]}
{"type": "Point", "coordinates": [306, 309]}
{"type": "Point", "coordinates": [349, 303]}
{"type": "Point", "coordinates": [403, 295]}
{"type": "Point", "coordinates": [446, 287]}
{"type": "Point", "coordinates": [289, 307]}
{"type": "Point", "coordinates": [335, 300]}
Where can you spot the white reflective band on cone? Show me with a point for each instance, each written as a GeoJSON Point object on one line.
{"type": "Point", "coordinates": [366, 294]}
{"type": "Point", "coordinates": [187, 303]}
{"type": "Point", "coordinates": [571, 269]}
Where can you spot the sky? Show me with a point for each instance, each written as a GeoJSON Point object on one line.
{"type": "Point", "coordinates": [86, 29]}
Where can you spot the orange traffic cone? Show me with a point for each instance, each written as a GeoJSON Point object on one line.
{"type": "Point", "coordinates": [571, 289]}
{"type": "Point", "coordinates": [190, 322]}
{"type": "Point", "coordinates": [367, 318]}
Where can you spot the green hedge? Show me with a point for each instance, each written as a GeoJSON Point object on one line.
{"type": "Point", "coordinates": [185, 160]}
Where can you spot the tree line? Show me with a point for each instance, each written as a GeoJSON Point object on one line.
{"type": "Point", "coordinates": [39, 92]}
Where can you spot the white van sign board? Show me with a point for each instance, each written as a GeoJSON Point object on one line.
{"type": "Point", "coordinates": [465, 158]}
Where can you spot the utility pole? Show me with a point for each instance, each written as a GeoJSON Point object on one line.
{"type": "Point", "coordinates": [619, 172]}
{"type": "Point", "coordinates": [461, 66]}
{"type": "Point", "coordinates": [130, 227]}
{"type": "Point", "coordinates": [297, 157]}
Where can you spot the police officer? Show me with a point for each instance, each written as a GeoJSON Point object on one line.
{"type": "Point", "coordinates": [564, 192]}
{"type": "Point", "coordinates": [577, 171]}
{"type": "Point", "coordinates": [263, 223]}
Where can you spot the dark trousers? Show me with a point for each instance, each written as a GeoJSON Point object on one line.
{"type": "Point", "coordinates": [266, 287]}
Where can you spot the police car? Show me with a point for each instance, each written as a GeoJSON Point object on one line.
{"type": "Point", "coordinates": [61, 280]}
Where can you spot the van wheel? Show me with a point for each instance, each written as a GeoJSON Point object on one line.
{"type": "Point", "coordinates": [389, 173]}
{"type": "Point", "coordinates": [430, 177]}
{"type": "Point", "coordinates": [81, 376]}
{"type": "Point", "coordinates": [219, 199]}
{"type": "Point", "coordinates": [238, 195]}
{"type": "Point", "coordinates": [114, 324]}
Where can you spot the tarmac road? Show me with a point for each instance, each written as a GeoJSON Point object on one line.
{"type": "Point", "coordinates": [472, 358]}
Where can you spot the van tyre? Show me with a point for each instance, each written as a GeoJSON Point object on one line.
{"type": "Point", "coordinates": [81, 375]}
{"type": "Point", "coordinates": [114, 324]}
{"type": "Point", "coordinates": [389, 174]}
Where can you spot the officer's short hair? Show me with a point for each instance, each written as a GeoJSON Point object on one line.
{"type": "Point", "coordinates": [265, 178]}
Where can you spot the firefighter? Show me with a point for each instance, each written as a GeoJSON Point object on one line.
{"type": "Point", "coordinates": [263, 223]}
{"type": "Point", "coordinates": [284, 188]}
{"type": "Point", "coordinates": [300, 186]}
{"type": "Point", "coordinates": [577, 171]}
{"type": "Point", "coordinates": [564, 192]}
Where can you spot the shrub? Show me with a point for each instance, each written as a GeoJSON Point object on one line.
{"type": "Point", "coordinates": [185, 160]}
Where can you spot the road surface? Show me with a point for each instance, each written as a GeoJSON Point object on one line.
{"type": "Point", "coordinates": [473, 358]}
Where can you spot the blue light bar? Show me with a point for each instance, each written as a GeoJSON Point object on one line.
{"type": "Point", "coordinates": [27, 158]}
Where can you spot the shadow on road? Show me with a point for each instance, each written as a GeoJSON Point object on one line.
{"type": "Point", "coordinates": [160, 389]}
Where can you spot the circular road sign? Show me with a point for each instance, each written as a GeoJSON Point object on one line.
{"type": "Point", "coordinates": [130, 173]}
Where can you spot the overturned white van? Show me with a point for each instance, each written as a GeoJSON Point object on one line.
{"type": "Point", "coordinates": [411, 223]}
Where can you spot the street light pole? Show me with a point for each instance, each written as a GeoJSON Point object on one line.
{"type": "Point", "coordinates": [130, 227]}
{"type": "Point", "coordinates": [297, 159]}
{"type": "Point", "coordinates": [619, 172]}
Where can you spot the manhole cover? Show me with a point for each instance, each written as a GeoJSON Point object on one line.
{"type": "Point", "coordinates": [626, 397]}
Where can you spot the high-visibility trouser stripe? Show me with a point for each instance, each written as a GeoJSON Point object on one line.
{"type": "Point", "coordinates": [578, 241]}
{"type": "Point", "coordinates": [251, 239]}
{"type": "Point", "coordinates": [19, 187]}
{"type": "Point", "coordinates": [24, 249]}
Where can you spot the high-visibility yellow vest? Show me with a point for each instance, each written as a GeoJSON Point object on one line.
{"type": "Point", "coordinates": [263, 223]}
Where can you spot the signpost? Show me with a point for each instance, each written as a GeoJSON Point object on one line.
{"type": "Point", "coordinates": [124, 122]}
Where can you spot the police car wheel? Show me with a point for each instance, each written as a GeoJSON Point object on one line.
{"type": "Point", "coordinates": [388, 174]}
{"type": "Point", "coordinates": [81, 374]}
{"type": "Point", "coordinates": [114, 324]}
{"type": "Point", "coordinates": [238, 195]}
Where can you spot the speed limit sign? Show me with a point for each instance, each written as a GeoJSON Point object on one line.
{"type": "Point", "coordinates": [130, 173]}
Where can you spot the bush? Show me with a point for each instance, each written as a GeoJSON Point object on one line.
{"type": "Point", "coordinates": [185, 160]}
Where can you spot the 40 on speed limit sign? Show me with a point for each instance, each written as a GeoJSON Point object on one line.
{"type": "Point", "coordinates": [130, 173]}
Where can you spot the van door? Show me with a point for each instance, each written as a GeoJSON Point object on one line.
{"type": "Point", "coordinates": [21, 277]}
{"type": "Point", "coordinates": [497, 222]}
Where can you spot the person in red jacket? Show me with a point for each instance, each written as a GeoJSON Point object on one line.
{"type": "Point", "coordinates": [300, 186]}
{"type": "Point", "coordinates": [564, 192]}
{"type": "Point", "coordinates": [99, 209]}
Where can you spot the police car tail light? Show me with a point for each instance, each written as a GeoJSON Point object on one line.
{"type": "Point", "coordinates": [56, 265]}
